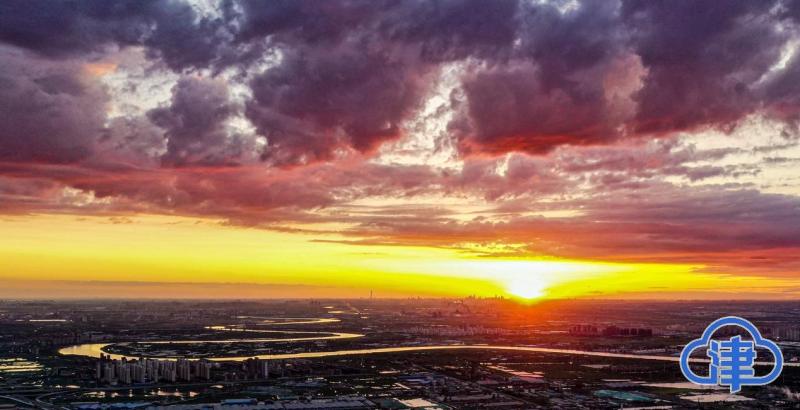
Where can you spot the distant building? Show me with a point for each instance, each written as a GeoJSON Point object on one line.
{"type": "Point", "coordinates": [256, 368]}
{"type": "Point", "coordinates": [783, 333]}
{"type": "Point", "coordinates": [609, 331]}
{"type": "Point", "coordinates": [584, 330]}
{"type": "Point", "coordinates": [125, 371]}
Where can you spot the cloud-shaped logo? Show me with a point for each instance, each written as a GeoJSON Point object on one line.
{"type": "Point", "coordinates": [732, 360]}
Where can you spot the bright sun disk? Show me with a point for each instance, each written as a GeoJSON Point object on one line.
{"type": "Point", "coordinates": [526, 289]}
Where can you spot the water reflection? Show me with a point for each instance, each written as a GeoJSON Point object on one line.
{"type": "Point", "coordinates": [140, 393]}
{"type": "Point", "coordinates": [273, 321]}
{"type": "Point", "coordinates": [18, 365]}
{"type": "Point", "coordinates": [95, 349]}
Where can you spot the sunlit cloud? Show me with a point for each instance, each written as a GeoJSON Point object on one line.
{"type": "Point", "coordinates": [533, 150]}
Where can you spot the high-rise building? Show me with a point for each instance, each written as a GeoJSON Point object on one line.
{"type": "Point", "coordinates": [151, 370]}
{"type": "Point", "coordinates": [184, 370]}
{"type": "Point", "coordinates": [256, 368]}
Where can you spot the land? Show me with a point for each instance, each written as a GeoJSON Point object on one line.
{"type": "Point", "coordinates": [221, 366]}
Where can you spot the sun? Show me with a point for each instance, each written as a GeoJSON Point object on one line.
{"type": "Point", "coordinates": [526, 288]}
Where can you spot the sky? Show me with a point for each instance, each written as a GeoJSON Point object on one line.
{"type": "Point", "coordinates": [304, 149]}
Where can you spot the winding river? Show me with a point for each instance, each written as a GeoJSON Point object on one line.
{"type": "Point", "coordinates": [274, 321]}
{"type": "Point", "coordinates": [96, 349]}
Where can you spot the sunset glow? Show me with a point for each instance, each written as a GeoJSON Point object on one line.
{"type": "Point", "coordinates": [111, 256]}
{"type": "Point", "coordinates": [525, 150]}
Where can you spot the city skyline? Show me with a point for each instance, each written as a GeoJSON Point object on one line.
{"type": "Point", "coordinates": [529, 150]}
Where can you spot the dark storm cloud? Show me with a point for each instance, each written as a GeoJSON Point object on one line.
{"type": "Point", "coordinates": [565, 42]}
{"type": "Point", "coordinates": [510, 109]}
{"type": "Point", "coordinates": [349, 73]}
{"type": "Point", "coordinates": [350, 80]}
{"type": "Point", "coordinates": [452, 30]}
{"type": "Point", "coordinates": [195, 122]}
{"type": "Point", "coordinates": [702, 66]}
{"type": "Point", "coordinates": [65, 28]}
{"type": "Point", "coordinates": [783, 91]}
{"type": "Point", "coordinates": [304, 21]}
{"type": "Point", "coordinates": [552, 91]}
{"type": "Point", "coordinates": [49, 112]}
{"type": "Point", "coordinates": [314, 103]}
{"type": "Point", "coordinates": [443, 30]}
{"type": "Point", "coordinates": [704, 60]}
{"type": "Point", "coordinates": [172, 30]}
{"type": "Point", "coordinates": [541, 75]}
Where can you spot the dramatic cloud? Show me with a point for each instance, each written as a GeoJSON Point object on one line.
{"type": "Point", "coordinates": [195, 122]}
{"type": "Point", "coordinates": [50, 112]}
{"type": "Point", "coordinates": [313, 104]}
{"type": "Point", "coordinates": [172, 30]}
{"type": "Point", "coordinates": [704, 61]}
{"type": "Point", "coordinates": [554, 89]}
{"type": "Point", "coordinates": [613, 130]}
{"type": "Point", "coordinates": [72, 28]}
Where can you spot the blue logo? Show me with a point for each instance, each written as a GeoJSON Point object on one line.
{"type": "Point", "coordinates": [732, 360]}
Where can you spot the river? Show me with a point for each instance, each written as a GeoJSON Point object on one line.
{"type": "Point", "coordinates": [96, 349]}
